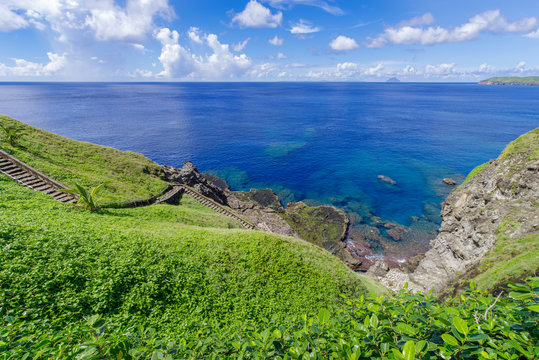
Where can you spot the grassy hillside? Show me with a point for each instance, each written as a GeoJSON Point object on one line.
{"type": "Point", "coordinates": [165, 266]}
{"type": "Point", "coordinates": [131, 175]}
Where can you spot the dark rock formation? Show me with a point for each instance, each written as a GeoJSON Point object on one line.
{"type": "Point", "coordinates": [449, 181]}
{"type": "Point", "coordinates": [325, 226]}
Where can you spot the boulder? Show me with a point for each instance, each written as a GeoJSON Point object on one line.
{"type": "Point", "coordinates": [449, 181]}
{"type": "Point", "coordinates": [387, 179]}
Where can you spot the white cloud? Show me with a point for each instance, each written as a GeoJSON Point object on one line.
{"type": "Point", "coordinates": [241, 45]}
{"type": "Point", "coordinates": [281, 56]}
{"type": "Point", "coordinates": [194, 34]}
{"type": "Point", "coordinates": [179, 62]}
{"type": "Point", "coordinates": [375, 70]}
{"type": "Point", "coordinates": [277, 41]}
{"type": "Point", "coordinates": [341, 43]}
{"type": "Point", "coordinates": [258, 16]}
{"type": "Point", "coordinates": [131, 23]}
{"type": "Point", "coordinates": [140, 48]}
{"type": "Point", "coordinates": [304, 27]}
{"type": "Point", "coordinates": [141, 73]}
{"type": "Point", "coordinates": [488, 21]}
{"type": "Point", "coordinates": [347, 66]}
{"type": "Point", "coordinates": [23, 68]}
{"type": "Point", "coordinates": [73, 18]}
{"type": "Point", "coordinates": [424, 19]}
{"type": "Point", "coordinates": [533, 34]}
{"type": "Point", "coordinates": [10, 21]}
{"type": "Point", "coordinates": [334, 10]}
{"type": "Point", "coordinates": [176, 60]}
{"type": "Point", "coordinates": [440, 69]}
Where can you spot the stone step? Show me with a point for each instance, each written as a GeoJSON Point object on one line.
{"type": "Point", "coordinates": [8, 168]}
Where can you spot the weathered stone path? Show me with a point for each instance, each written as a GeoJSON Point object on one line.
{"type": "Point", "coordinates": [215, 206]}
{"type": "Point", "coordinates": [35, 180]}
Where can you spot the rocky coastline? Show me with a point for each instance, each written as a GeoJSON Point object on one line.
{"type": "Point", "coordinates": [442, 257]}
{"type": "Point", "coordinates": [358, 241]}
{"type": "Point", "coordinates": [497, 200]}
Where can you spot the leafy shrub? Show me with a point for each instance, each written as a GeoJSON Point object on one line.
{"type": "Point", "coordinates": [407, 326]}
{"type": "Point", "coordinates": [87, 199]}
{"type": "Point", "coordinates": [11, 133]}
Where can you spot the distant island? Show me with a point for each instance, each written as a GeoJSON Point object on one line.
{"type": "Point", "coordinates": [511, 80]}
{"type": "Point", "coordinates": [393, 79]}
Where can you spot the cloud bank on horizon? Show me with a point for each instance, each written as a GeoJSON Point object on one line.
{"type": "Point", "coordinates": [266, 40]}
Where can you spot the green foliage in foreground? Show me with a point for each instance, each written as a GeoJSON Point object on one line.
{"type": "Point", "coordinates": [169, 267]}
{"type": "Point", "coordinates": [407, 326]}
{"type": "Point", "coordinates": [130, 175]}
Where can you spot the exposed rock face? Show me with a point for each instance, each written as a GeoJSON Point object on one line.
{"type": "Point", "coordinates": [325, 226]}
{"type": "Point", "coordinates": [507, 187]}
{"type": "Point", "coordinates": [190, 176]}
{"type": "Point", "coordinates": [263, 208]}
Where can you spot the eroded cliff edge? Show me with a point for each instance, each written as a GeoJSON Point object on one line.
{"type": "Point", "coordinates": [490, 226]}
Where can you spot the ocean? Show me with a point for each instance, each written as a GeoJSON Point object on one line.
{"type": "Point", "coordinates": [323, 143]}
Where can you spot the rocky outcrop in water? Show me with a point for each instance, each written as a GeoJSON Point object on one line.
{"type": "Point", "coordinates": [505, 190]}
{"type": "Point", "coordinates": [325, 226]}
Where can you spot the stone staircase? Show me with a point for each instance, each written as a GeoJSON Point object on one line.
{"type": "Point", "coordinates": [215, 206]}
{"type": "Point", "coordinates": [33, 179]}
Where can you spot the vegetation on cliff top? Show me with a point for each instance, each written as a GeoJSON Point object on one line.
{"type": "Point", "coordinates": [129, 175]}
{"type": "Point", "coordinates": [511, 80]}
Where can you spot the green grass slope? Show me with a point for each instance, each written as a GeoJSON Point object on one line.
{"type": "Point", "coordinates": [132, 176]}
{"type": "Point", "coordinates": [170, 267]}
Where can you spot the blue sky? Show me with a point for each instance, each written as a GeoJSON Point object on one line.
{"type": "Point", "coordinates": [267, 40]}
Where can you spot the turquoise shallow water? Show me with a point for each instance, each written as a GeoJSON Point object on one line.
{"type": "Point", "coordinates": [325, 142]}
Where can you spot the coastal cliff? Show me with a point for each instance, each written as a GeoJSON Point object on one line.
{"type": "Point", "coordinates": [490, 227]}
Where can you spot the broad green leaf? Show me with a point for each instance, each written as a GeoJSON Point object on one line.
{"type": "Point", "coordinates": [485, 354]}
{"type": "Point", "coordinates": [534, 308]}
{"type": "Point", "coordinates": [374, 321]}
{"type": "Point", "coordinates": [478, 337]}
{"type": "Point", "coordinates": [409, 350]}
{"type": "Point", "coordinates": [450, 340]}
{"type": "Point", "coordinates": [521, 295]}
{"type": "Point", "coordinates": [461, 325]}
{"type": "Point", "coordinates": [323, 315]}
{"type": "Point", "coordinates": [419, 346]}
{"type": "Point", "coordinates": [397, 354]}
{"type": "Point", "coordinates": [407, 329]}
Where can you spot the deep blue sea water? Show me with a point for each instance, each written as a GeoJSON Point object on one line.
{"type": "Point", "coordinates": [325, 142]}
